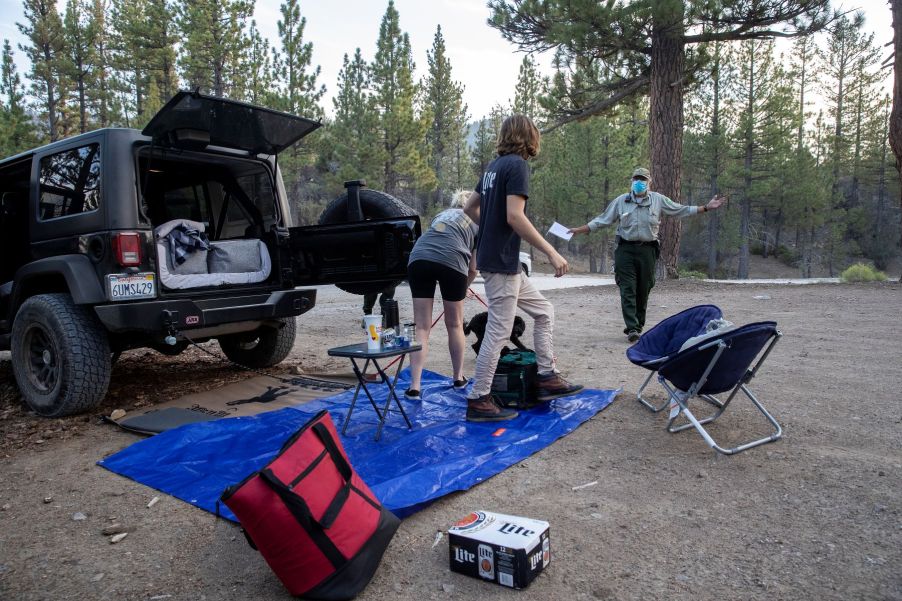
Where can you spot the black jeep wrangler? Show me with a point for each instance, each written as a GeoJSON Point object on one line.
{"type": "Point", "coordinates": [119, 239]}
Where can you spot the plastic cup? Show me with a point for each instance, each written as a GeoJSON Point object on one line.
{"type": "Point", "coordinates": [373, 326]}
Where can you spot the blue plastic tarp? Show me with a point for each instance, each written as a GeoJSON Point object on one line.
{"type": "Point", "coordinates": [406, 469]}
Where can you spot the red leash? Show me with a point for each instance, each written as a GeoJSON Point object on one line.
{"type": "Point", "coordinates": [470, 294]}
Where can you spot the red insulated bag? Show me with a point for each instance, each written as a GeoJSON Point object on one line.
{"type": "Point", "coordinates": [312, 518]}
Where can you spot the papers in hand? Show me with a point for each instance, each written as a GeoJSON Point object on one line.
{"type": "Point", "coordinates": [561, 231]}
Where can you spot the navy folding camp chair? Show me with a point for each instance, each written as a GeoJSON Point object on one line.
{"type": "Point", "coordinates": [716, 365]}
{"type": "Point", "coordinates": [665, 339]}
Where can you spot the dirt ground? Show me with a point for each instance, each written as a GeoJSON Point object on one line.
{"type": "Point", "coordinates": [817, 515]}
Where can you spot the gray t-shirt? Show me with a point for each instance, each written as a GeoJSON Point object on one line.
{"type": "Point", "coordinates": [450, 241]}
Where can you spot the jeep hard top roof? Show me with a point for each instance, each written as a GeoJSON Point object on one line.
{"type": "Point", "coordinates": [193, 120]}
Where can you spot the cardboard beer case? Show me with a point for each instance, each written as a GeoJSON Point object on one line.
{"type": "Point", "coordinates": [505, 549]}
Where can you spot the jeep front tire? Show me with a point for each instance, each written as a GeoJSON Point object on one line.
{"type": "Point", "coordinates": [264, 347]}
{"type": "Point", "coordinates": [60, 356]}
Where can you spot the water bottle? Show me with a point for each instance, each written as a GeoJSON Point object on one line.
{"type": "Point", "coordinates": [390, 316]}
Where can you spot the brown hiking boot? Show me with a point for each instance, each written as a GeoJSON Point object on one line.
{"type": "Point", "coordinates": [553, 386]}
{"type": "Point", "coordinates": [487, 409]}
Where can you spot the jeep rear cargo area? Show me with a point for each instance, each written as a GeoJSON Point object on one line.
{"type": "Point", "coordinates": [191, 198]}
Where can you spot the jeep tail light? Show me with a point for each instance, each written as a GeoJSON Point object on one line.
{"type": "Point", "coordinates": [127, 248]}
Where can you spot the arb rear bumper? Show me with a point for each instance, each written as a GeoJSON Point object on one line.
{"type": "Point", "coordinates": [187, 314]}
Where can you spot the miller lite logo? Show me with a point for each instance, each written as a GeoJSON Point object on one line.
{"type": "Point", "coordinates": [473, 522]}
{"type": "Point", "coordinates": [535, 559]}
{"type": "Point", "coordinates": [509, 528]}
{"type": "Point", "coordinates": [461, 555]}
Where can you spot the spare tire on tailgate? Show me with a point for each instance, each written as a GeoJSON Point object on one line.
{"type": "Point", "coordinates": [373, 205]}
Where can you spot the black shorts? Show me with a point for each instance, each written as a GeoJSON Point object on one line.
{"type": "Point", "coordinates": [423, 275]}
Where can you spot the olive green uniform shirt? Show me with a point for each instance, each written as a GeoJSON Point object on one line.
{"type": "Point", "coordinates": [640, 218]}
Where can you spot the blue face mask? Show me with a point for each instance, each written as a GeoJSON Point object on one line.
{"type": "Point", "coordinates": [640, 186]}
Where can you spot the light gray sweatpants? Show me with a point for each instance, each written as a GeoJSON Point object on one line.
{"type": "Point", "coordinates": [505, 293]}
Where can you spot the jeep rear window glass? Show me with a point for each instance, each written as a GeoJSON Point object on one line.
{"type": "Point", "coordinates": [258, 188]}
{"type": "Point", "coordinates": [233, 198]}
{"type": "Point", "coordinates": [70, 182]}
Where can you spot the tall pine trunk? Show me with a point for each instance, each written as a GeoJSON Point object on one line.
{"type": "Point", "coordinates": [745, 215]}
{"type": "Point", "coordinates": [665, 122]}
{"type": "Point", "coordinates": [895, 135]}
{"type": "Point", "coordinates": [82, 98]}
{"type": "Point", "coordinates": [51, 93]}
{"type": "Point", "coordinates": [714, 219]}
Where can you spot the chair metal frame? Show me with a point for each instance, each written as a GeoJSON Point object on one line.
{"type": "Point", "coordinates": [682, 398]}
{"type": "Point", "coordinates": [652, 367]}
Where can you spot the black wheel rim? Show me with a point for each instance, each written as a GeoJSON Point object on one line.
{"type": "Point", "coordinates": [43, 359]}
{"type": "Point", "coordinates": [249, 345]}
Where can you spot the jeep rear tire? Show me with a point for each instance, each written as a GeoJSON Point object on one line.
{"type": "Point", "coordinates": [60, 356]}
{"type": "Point", "coordinates": [264, 347]}
{"type": "Point", "coordinates": [373, 205]}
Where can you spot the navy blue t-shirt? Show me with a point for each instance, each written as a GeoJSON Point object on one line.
{"type": "Point", "coordinates": [498, 248]}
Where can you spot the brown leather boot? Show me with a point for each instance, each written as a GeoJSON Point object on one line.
{"type": "Point", "coordinates": [553, 386]}
{"type": "Point", "coordinates": [487, 409]}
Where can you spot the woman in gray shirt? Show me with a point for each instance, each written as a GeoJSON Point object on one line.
{"type": "Point", "coordinates": [444, 255]}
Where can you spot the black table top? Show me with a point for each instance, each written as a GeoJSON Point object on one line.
{"type": "Point", "coordinates": [361, 350]}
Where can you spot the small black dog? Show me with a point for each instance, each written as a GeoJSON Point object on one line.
{"type": "Point", "coordinates": [477, 326]}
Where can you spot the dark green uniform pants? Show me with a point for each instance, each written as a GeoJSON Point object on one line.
{"type": "Point", "coordinates": [634, 272]}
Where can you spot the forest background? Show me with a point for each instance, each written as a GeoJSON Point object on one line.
{"type": "Point", "coordinates": [794, 133]}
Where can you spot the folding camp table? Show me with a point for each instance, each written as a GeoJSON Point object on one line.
{"type": "Point", "coordinates": [359, 351]}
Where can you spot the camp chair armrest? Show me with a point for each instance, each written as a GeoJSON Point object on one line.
{"type": "Point", "coordinates": [657, 361]}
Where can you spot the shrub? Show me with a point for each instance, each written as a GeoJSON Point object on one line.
{"type": "Point", "coordinates": [690, 273]}
{"type": "Point", "coordinates": [861, 272]}
{"type": "Point", "coordinates": [787, 256]}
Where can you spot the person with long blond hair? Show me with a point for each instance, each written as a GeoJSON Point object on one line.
{"type": "Point", "coordinates": [443, 256]}
{"type": "Point", "coordinates": [499, 205]}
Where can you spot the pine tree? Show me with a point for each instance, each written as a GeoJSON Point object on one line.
{"type": "Point", "coordinates": [80, 60]}
{"type": "Point", "coordinates": [847, 47]}
{"type": "Point", "coordinates": [879, 238]}
{"type": "Point", "coordinates": [895, 127]}
{"type": "Point", "coordinates": [159, 48]}
{"type": "Point", "coordinates": [645, 42]}
{"type": "Point", "coordinates": [101, 95]}
{"type": "Point", "coordinates": [443, 103]}
{"type": "Point", "coordinates": [16, 131]}
{"type": "Point", "coordinates": [485, 141]}
{"type": "Point", "coordinates": [530, 87]}
{"type": "Point", "coordinates": [259, 72]}
{"type": "Point", "coordinates": [301, 94]}
{"type": "Point", "coordinates": [706, 154]}
{"type": "Point", "coordinates": [213, 43]}
{"type": "Point", "coordinates": [46, 43]}
{"type": "Point", "coordinates": [128, 24]}
{"type": "Point", "coordinates": [355, 144]}
{"type": "Point", "coordinates": [756, 87]}
{"type": "Point", "coordinates": [391, 77]}
{"type": "Point", "coordinates": [483, 146]}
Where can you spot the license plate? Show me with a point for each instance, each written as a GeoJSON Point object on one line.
{"type": "Point", "coordinates": [128, 287]}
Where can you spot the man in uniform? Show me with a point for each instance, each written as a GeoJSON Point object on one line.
{"type": "Point", "coordinates": [638, 213]}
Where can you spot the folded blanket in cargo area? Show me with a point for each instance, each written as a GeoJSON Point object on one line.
{"type": "Point", "coordinates": [406, 469]}
{"type": "Point", "coordinates": [216, 263]}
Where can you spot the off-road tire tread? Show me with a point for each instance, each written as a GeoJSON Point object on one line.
{"type": "Point", "coordinates": [373, 203]}
{"type": "Point", "coordinates": [273, 347]}
{"type": "Point", "coordinates": [84, 354]}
